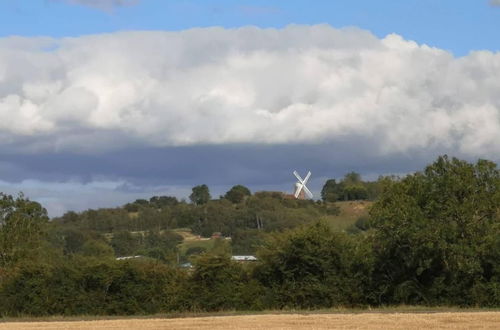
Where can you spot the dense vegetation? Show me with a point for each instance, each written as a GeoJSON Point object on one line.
{"type": "Point", "coordinates": [432, 238]}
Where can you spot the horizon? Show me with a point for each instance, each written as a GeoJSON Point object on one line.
{"type": "Point", "coordinates": [104, 102]}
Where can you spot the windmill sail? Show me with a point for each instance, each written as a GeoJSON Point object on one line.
{"type": "Point", "coordinates": [301, 185]}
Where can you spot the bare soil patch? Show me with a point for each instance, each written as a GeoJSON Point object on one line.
{"type": "Point", "coordinates": [454, 320]}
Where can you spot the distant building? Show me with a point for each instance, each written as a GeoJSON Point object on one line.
{"type": "Point", "coordinates": [243, 258]}
{"type": "Point", "coordinates": [128, 257]}
{"type": "Point", "coordinates": [302, 193]}
{"type": "Point", "coordinates": [186, 265]}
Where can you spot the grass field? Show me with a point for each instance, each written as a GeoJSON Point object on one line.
{"type": "Point", "coordinates": [185, 245]}
{"type": "Point", "coordinates": [374, 320]}
{"type": "Point", "coordinates": [350, 211]}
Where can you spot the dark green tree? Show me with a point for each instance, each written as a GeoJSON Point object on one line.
{"type": "Point", "coordinates": [73, 240]}
{"type": "Point", "coordinates": [352, 178]}
{"type": "Point", "coordinates": [89, 286]}
{"type": "Point", "coordinates": [163, 201]}
{"type": "Point", "coordinates": [97, 248]}
{"type": "Point", "coordinates": [430, 231]}
{"type": "Point", "coordinates": [218, 283]}
{"type": "Point", "coordinates": [125, 244]}
{"type": "Point", "coordinates": [200, 195]}
{"type": "Point", "coordinates": [350, 188]}
{"type": "Point", "coordinates": [331, 191]}
{"type": "Point", "coordinates": [22, 227]}
{"type": "Point", "coordinates": [355, 192]}
{"type": "Point", "coordinates": [237, 194]}
{"type": "Point", "coordinates": [313, 267]}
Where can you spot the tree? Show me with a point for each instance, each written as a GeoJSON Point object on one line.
{"type": "Point", "coordinates": [22, 226]}
{"type": "Point", "coordinates": [124, 243]}
{"type": "Point", "coordinates": [352, 178]}
{"type": "Point", "coordinates": [165, 240]}
{"type": "Point", "coordinates": [331, 191]}
{"type": "Point", "coordinates": [430, 231]}
{"type": "Point", "coordinates": [200, 195]}
{"type": "Point", "coordinates": [313, 267]}
{"type": "Point", "coordinates": [73, 240]}
{"type": "Point", "coordinates": [355, 192]}
{"type": "Point", "coordinates": [163, 201]}
{"type": "Point", "coordinates": [195, 250]}
{"type": "Point", "coordinates": [237, 194]}
{"type": "Point", "coordinates": [216, 283]}
{"type": "Point", "coordinates": [350, 188]}
{"type": "Point", "coordinates": [95, 248]}
{"type": "Point", "coordinates": [91, 286]}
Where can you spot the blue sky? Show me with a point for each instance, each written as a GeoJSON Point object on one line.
{"type": "Point", "coordinates": [455, 25]}
{"type": "Point", "coordinates": [106, 101]}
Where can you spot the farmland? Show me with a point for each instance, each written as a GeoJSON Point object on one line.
{"type": "Point", "coordinates": [441, 320]}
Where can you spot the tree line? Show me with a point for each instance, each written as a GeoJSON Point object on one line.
{"type": "Point", "coordinates": [432, 238]}
{"type": "Point", "coordinates": [238, 214]}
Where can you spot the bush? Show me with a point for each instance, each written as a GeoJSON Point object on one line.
{"type": "Point", "coordinates": [313, 267]}
{"type": "Point", "coordinates": [218, 283]}
{"type": "Point", "coordinates": [87, 286]}
{"type": "Point", "coordinates": [430, 231]}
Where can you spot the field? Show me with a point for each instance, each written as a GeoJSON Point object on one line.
{"type": "Point", "coordinates": [440, 320]}
{"type": "Point", "coordinates": [350, 211]}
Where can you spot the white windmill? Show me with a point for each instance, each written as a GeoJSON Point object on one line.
{"type": "Point", "coordinates": [300, 186]}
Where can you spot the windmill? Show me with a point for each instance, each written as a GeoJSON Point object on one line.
{"type": "Point", "coordinates": [300, 186]}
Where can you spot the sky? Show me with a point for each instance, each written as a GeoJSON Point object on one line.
{"type": "Point", "coordinates": [106, 101]}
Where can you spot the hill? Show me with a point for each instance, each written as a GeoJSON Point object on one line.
{"type": "Point", "coordinates": [349, 213]}
{"type": "Point", "coordinates": [151, 227]}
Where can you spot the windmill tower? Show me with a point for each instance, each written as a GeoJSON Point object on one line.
{"type": "Point", "coordinates": [300, 186]}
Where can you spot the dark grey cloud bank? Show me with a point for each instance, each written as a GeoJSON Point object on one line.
{"type": "Point", "coordinates": [80, 181]}
{"type": "Point", "coordinates": [99, 120]}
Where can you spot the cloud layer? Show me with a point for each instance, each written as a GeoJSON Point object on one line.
{"type": "Point", "coordinates": [300, 84]}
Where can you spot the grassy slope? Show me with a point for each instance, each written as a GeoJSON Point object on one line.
{"type": "Point", "coordinates": [185, 245]}
{"type": "Point", "coordinates": [350, 211]}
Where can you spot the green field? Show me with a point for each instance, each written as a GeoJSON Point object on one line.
{"type": "Point", "coordinates": [185, 245]}
{"type": "Point", "coordinates": [350, 211]}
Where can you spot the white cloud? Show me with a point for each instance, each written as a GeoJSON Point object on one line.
{"type": "Point", "coordinates": [300, 84]}
{"type": "Point", "coordinates": [495, 2]}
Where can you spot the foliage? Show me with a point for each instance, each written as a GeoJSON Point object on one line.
{"type": "Point", "coordinates": [200, 195]}
{"type": "Point", "coordinates": [163, 201]}
{"type": "Point", "coordinates": [350, 188]}
{"type": "Point", "coordinates": [22, 227]}
{"type": "Point", "coordinates": [125, 243]}
{"type": "Point", "coordinates": [432, 238]}
{"type": "Point", "coordinates": [195, 250]}
{"type": "Point", "coordinates": [430, 231]}
{"type": "Point", "coordinates": [85, 286]}
{"type": "Point", "coordinates": [313, 267]}
{"type": "Point", "coordinates": [237, 194]}
{"type": "Point", "coordinates": [98, 249]}
{"type": "Point", "coordinates": [262, 212]}
{"type": "Point", "coordinates": [331, 191]}
{"type": "Point", "coordinates": [218, 283]}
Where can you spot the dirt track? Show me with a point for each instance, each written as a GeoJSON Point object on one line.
{"type": "Point", "coordinates": [468, 320]}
